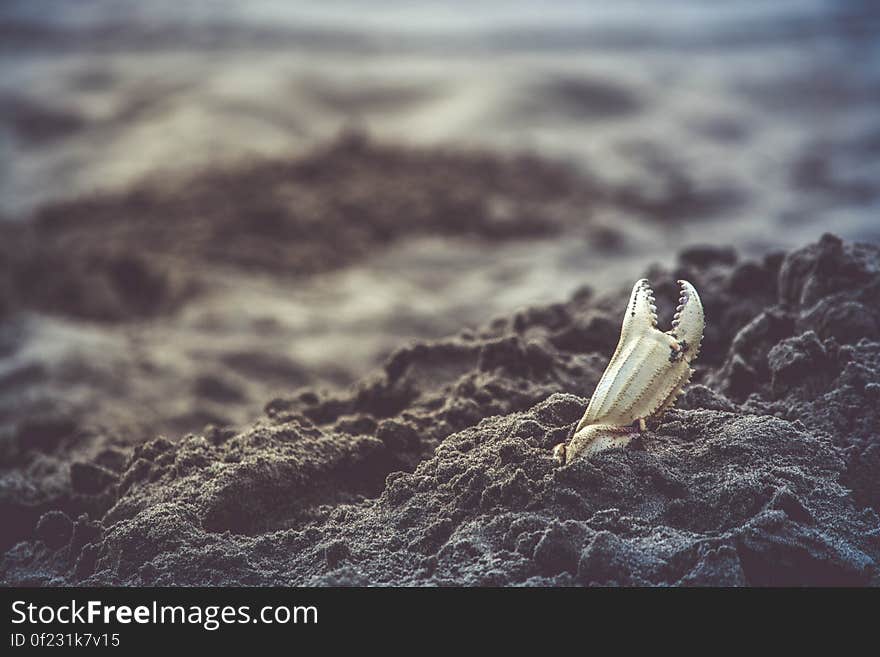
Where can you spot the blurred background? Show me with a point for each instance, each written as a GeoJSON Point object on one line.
{"type": "Point", "coordinates": [207, 203]}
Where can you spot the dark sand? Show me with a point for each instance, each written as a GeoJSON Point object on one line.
{"type": "Point", "coordinates": [184, 236]}
{"type": "Point", "coordinates": [436, 469]}
{"type": "Point", "coordinates": [162, 309]}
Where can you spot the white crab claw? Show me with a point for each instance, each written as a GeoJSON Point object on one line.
{"type": "Point", "coordinates": [646, 373]}
{"type": "Point", "coordinates": [689, 320]}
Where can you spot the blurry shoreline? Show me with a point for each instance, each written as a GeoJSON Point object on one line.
{"type": "Point", "coordinates": [97, 99]}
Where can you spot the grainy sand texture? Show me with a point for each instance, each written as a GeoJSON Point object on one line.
{"type": "Point", "coordinates": [305, 293]}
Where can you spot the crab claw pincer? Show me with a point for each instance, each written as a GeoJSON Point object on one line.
{"type": "Point", "coordinates": [688, 321]}
{"type": "Point", "coordinates": [645, 375]}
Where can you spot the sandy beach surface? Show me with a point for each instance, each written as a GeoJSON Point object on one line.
{"type": "Point", "coordinates": [304, 294]}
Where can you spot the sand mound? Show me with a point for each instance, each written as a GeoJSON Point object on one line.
{"type": "Point", "coordinates": [437, 469]}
